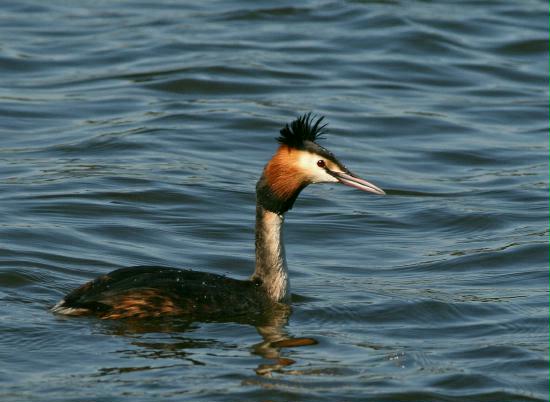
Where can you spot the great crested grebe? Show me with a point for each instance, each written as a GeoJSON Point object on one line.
{"type": "Point", "coordinates": [149, 291]}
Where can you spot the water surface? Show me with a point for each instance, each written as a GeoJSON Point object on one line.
{"type": "Point", "coordinates": [133, 133]}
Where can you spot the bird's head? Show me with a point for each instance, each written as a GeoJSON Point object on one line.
{"type": "Point", "coordinates": [300, 161]}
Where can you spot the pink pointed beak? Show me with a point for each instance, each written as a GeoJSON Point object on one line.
{"type": "Point", "coordinates": [350, 180]}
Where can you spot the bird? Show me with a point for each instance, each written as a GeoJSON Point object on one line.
{"type": "Point", "coordinates": [142, 292]}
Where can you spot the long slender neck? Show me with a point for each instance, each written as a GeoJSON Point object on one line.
{"type": "Point", "coordinates": [276, 191]}
{"type": "Point", "coordinates": [271, 269]}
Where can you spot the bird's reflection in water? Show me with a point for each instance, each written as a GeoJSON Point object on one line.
{"type": "Point", "coordinates": [275, 338]}
{"type": "Point", "coordinates": [270, 326]}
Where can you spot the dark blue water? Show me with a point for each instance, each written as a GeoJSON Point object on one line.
{"type": "Point", "coordinates": [133, 133]}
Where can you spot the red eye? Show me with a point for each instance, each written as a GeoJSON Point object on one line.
{"type": "Point", "coordinates": [321, 163]}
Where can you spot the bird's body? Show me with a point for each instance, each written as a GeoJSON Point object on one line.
{"type": "Point", "coordinates": [148, 291]}
{"type": "Point", "coordinates": [145, 292]}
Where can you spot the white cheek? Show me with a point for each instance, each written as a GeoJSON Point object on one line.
{"type": "Point", "coordinates": [319, 175]}
{"type": "Point", "coordinates": [316, 174]}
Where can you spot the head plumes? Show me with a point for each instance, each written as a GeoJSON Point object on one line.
{"type": "Point", "coordinates": [305, 128]}
{"type": "Point", "coordinates": [299, 162]}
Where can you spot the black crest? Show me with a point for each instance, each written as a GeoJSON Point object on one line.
{"type": "Point", "coordinates": [305, 128]}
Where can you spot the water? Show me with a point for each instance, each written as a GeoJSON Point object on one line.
{"type": "Point", "coordinates": [134, 132]}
